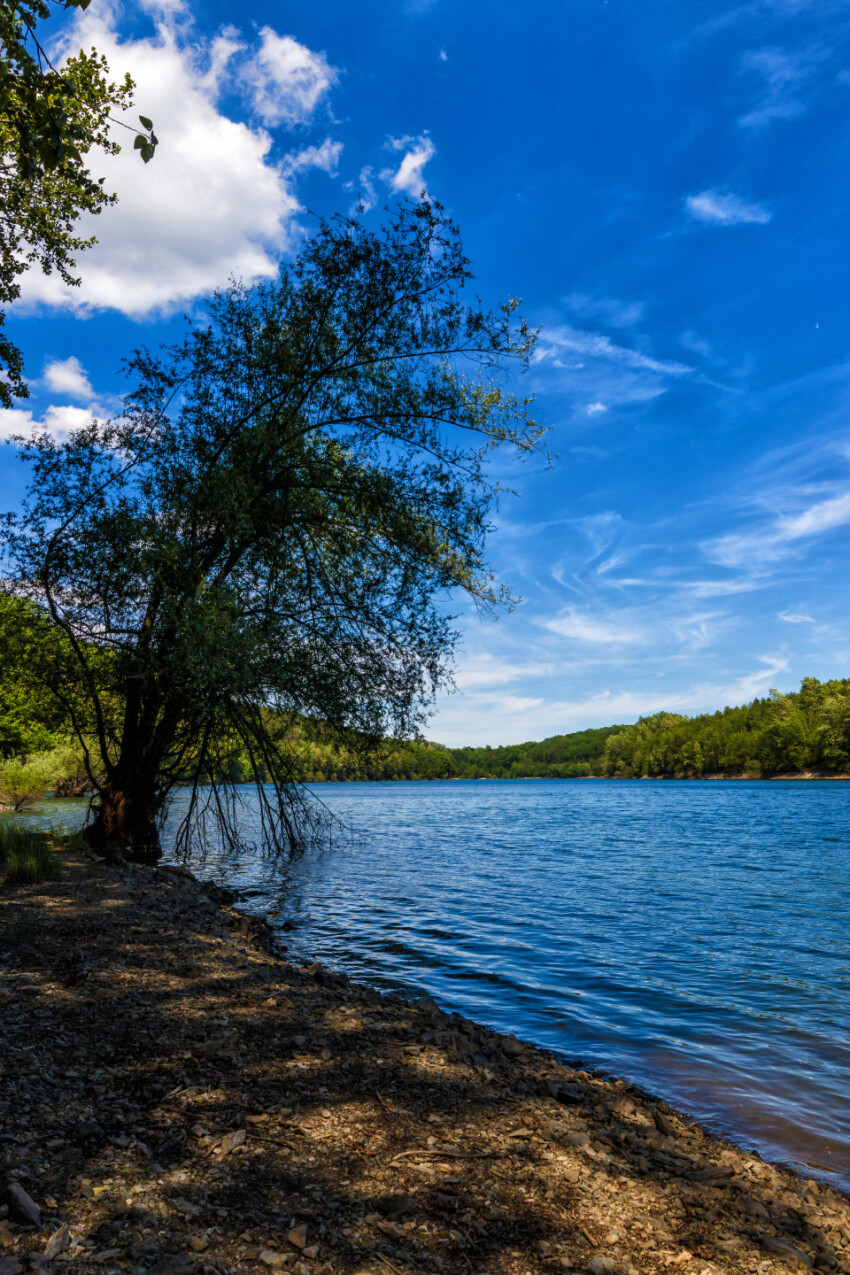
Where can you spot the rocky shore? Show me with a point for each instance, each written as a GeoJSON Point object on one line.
{"type": "Point", "coordinates": [177, 1099]}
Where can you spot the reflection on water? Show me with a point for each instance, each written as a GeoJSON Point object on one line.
{"type": "Point", "coordinates": [689, 936]}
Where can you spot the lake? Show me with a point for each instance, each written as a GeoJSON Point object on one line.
{"type": "Point", "coordinates": [692, 937]}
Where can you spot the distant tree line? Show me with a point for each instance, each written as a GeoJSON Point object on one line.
{"type": "Point", "coordinates": [561, 757]}
{"type": "Point", "coordinates": [808, 730]}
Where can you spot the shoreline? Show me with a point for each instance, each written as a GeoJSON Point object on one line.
{"type": "Point", "coordinates": [180, 1098]}
{"type": "Point", "coordinates": [574, 779]}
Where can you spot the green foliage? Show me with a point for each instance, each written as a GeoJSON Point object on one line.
{"type": "Point", "coordinates": [49, 122]}
{"type": "Point", "coordinates": [23, 781]}
{"type": "Point", "coordinates": [26, 856]}
{"type": "Point", "coordinates": [30, 719]}
{"type": "Point", "coordinates": [571, 756]}
{"type": "Point", "coordinates": [270, 530]}
{"type": "Point", "coordinates": [808, 730]}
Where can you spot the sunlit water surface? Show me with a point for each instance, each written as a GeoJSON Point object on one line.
{"type": "Point", "coordinates": [691, 937]}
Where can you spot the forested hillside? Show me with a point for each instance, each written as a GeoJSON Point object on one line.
{"type": "Point", "coordinates": [561, 757]}
{"type": "Point", "coordinates": [808, 730]}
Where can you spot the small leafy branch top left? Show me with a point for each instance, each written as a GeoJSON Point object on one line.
{"type": "Point", "coordinates": [49, 121]}
{"type": "Point", "coordinates": [145, 142]}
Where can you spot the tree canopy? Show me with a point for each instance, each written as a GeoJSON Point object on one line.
{"type": "Point", "coordinates": [50, 119]}
{"type": "Point", "coordinates": [273, 526]}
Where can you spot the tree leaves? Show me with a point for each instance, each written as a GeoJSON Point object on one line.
{"type": "Point", "coordinates": [49, 121]}
{"type": "Point", "coordinates": [146, 144]}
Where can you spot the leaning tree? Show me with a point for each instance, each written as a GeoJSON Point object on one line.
{"type": "Point", "coordinates": [272, 527]}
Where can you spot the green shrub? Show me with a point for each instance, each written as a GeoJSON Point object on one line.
{"type": "Point", "coordinates": [23, 781]}
{"type": "Point", "coordinates": [26, 780]}
{"type": "Point", "coordinates": [26, 855]}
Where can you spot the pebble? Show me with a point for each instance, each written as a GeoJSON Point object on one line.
{"type": "Point", "coordinates": [787, 1251]}
{"type": "Point", "coordinates": [601, 1265]}
{"type": "Point", "coordinates": [298, 1236]}
{"type": "Point", "coordinates": [58, 1242]}
{"type": "Point", "coordinates": [232, 1141]}
{"type": "Point", "coordinates": [22, 1202]}
{"type": "Point", "coordinates": [270, 1258]}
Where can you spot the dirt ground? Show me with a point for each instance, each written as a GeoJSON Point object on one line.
{"type": "Point", "coordinates": [174, 1098]}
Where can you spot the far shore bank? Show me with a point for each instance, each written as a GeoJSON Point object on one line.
{"type": "Point", "coordinates": [459, 779]}
{"type": "Point", "coordinates": [182, 1100]}
{"type": "Point", "coordinates": [462, 779]}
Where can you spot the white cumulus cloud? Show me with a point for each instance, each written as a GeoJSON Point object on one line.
{"type": "Point", "coordinates": [212, 203]}
{"type": "Point", "coordinates": [409, 177]}
{"type": "Point", "coordinates": [725, 209]}
{"type": "Point", "coordinates": [58, 419]}
{"type": "Point", "coordinates": [286, 80]}
{"type": "Point", "coordinates": [68, 376]}
{"type": "Point", "coordinates": [324, 157]}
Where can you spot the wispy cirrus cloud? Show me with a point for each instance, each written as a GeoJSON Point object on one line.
{"type": "Point", "coordinates": [495, 714]}
{"type": "Point", "coordinates": [559, 340]}
{"type": "Point", "coordinates": [609, 311]}
{"type": "Point", "coordinates": [723, 208]}
{"type": "Point", "coordinates": [783, 76]}
{"type": "Point", "coordinates": [486, 669]}
{"type": "Point", "coordinates": [598, 373]}
{"type": "Point", "coordinates": [781, 538]}
{"type": "Point", "coordinates": [795, 617]}
{"type": "Point", "coordinates": [599, 630]}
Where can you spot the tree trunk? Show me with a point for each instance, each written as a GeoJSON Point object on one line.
{"type": "Point", "coordinates": [126, 820]}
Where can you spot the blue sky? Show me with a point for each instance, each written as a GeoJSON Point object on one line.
{"type": "Point", "coordinates": [664, 184]}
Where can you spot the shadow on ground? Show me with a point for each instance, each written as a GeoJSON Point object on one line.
{"type": "Point", "coordinates": [174, 1098]}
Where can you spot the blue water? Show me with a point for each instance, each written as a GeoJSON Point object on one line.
{"type": "Point", "coordinates": [691, 937]}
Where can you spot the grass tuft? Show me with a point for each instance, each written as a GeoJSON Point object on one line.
{"type": "Point", "coordinates": [26, 855]}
